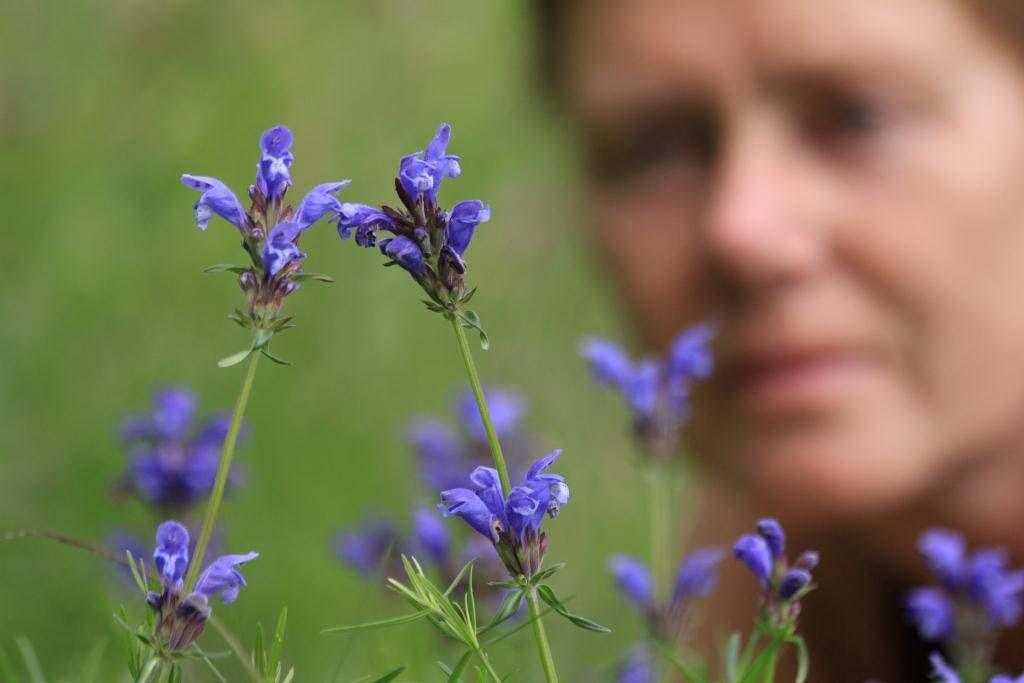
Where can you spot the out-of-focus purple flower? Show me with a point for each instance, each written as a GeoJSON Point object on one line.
{"type": "Point", "coordinates": [216, 198]}
{"type": "Point", "coordinates": [793, 581]}
{"type": "Point", "coordinates": [771, 531]}
{"type": "Point", "coordinates": [655, 391]}
{"type": "Point", "coordinates": [506, 408]}
{"type": "Point", "coordinates": [931, 611]}
{"type": "Point", "coordinates": [511, 523]}
{"type": "Point", "coordinates": [981, 583]}
{"type": "Point", "coordinates": [944, 551]}
{"type": "Point", "coordinates": [181, 618]}
{"type": "Point", "coordinates": [430, 534]}
{"type": "Point", "coordinates": [941, 671]}
{"type": "Point", "coordinates": [273, 172]}
{"type": "Point", "coordinates": [636, 666]}
{"type": "Point", "coordinates": [633, 579]}
{"type": "Point", "coordinates": [755, 553]}
{"type": "Point", "coordinates": [174, 462]}
{"type": "Point", "coordinates": [1004, 678]}
{"type": "Point", "coordinates": [697, 574]}
{"type": "Point", "coordinates": [365, 548]}
{"type": "Point", "coordinates": [445, 455]}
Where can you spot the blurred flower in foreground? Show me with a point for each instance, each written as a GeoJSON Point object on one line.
{"type": "Point", "coordinates": [180, 619]}
{"type": "Point", "coordinates": [656, 391]}
{"type": "Point", "coordinates": [942, 672]}
{"type": "Point", "coordinates": [782, 584]}
{"type": "Point", "coordinates": [445, 455]}
{"type": "Point", "coordinates": [636, 666]}
{"type": "Point", "coordinates": [695, 578]}
{"type": "Point", "coordinates": [427, 242]}
{"type": "Point", "coordinates": [174, 460]}
{"type": "Point", "coordinates": [270, 234]}
{"type": "Point", "coordinates": [512, 524]}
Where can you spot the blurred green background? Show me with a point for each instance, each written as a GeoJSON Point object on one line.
{"type": "Point", "coordinates": [102, 107]}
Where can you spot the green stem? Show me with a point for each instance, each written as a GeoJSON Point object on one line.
{"type": "Point", "coordinates": [487, 664]}
{"type": "Point", "coordinates": [222, 475]}
{"type": "Point", "coordinates": [481, 404]}
{"type": "Point", "coordinates": [546, 661]}
{"type": "Point", "coordinates": [658, 485]}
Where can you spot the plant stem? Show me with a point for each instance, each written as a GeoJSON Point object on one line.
{"type": "Point", "coordinates": [659, 482]}
{"type": "Point", "coordinates": [222, 474]}
{"type": "Point", "coordinates": [481, 404]}
{"type": "Point", "coordinates": [487, 664]}
{"type": "Point", "coordinates": [546, 661]}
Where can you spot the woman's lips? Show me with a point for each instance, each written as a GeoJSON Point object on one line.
{"type": "Point", "coordinates": [797, 382]}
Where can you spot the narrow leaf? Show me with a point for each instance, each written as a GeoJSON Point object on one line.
{"type": "Point", "coordinates": [547, 573]}
{"type": "Point", "coordinates": [275, 650]}
{"type": "Point", "coordinates": [233, 359]}
{"type": "Point", "coordinates": [372, 625]}
{"type": "Point", "coordinates": [225, 267]}
{"type": "Point", "coordinates": [389, 676]}
{"type": "Point", "coordinates": [455, 675]}
{"type": "Point", "coordinates": [802, 657]}
{"type": "Point", "coordinates": [732, 657]}
{"type": "Point", "coordinates": [280, 361]}
{"type": "Point", "coordinates": [319, 277]}
{"type": "Point", "coordinates": [28, 655]}
{"type": "Point", "coordinates": [548, 596]}
{"type": "Point", "coordinates": [136, 573]}
{"type": "Point", "coordinates": [458, 578]}
{"type": "Point", "coordinates": [509, 606]}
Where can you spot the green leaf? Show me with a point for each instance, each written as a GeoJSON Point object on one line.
{"type": "Point", "coordinates": [468, 297]}
{"type": "Point", "coordinates": [732, 657]}
{"type": "Point", "coordinates": [225, 267]}
{"type": "Point", "coordinates": [546, 573]}
{"type": "Point", "coordinates": [233, 359]}
{"type": "Point", "coordinates": [202, 655]}
{"type": "Point", "coordinates": [275, 650]}
{"type": "Point", "coordinates": [470, 600]}
{"type": "Point", "coordinates": [548, 596]}
{"type": "Point", "coordinates": [373, 625]}
{"type": "Point", "coordinates": [504, 584]}
{"type": "Point", "coordinates": [471, 319]}
{"type": "Point", "coordinates": [802, 657]}
{"type": "Point", "coordinates": [509, 606]}
{"type": "Point", "coordinates": [319, 277]}
{"type": "Point", "coordinates": [244, 321]}
{"type": "Point", "coordinates": [455, 675]}
{"type": "Point", "coordinates": [280, 361]}
{"type": "Point", "coordinates": [28, 656]}
{"type": "Point", "coordinates": [458, 578]}
{"type": "Point", "coordinates": [137, 572]}
{"type": "Point", "coordinates": [259, 654]}
{"type": "Point", "coordinates": [148, 670]}
{"type": "Point", "coordinates": [389, 676]}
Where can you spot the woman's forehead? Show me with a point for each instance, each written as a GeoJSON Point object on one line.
{"type": "Point", "coordinates": [615, 49]}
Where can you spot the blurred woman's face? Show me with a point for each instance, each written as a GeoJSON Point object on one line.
{"type": "Point", "coordinates": [841, 186]}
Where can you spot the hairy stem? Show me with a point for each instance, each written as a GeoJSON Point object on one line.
{"type": "Point", "coordinates": [227, 453]}
{"type": "Point", "coordinates": [481, 404]}
{"type": "Point", "coordinates": [546, 661]}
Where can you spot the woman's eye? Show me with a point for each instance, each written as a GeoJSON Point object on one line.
{"type": "Point", "coordinates": [652, 149]}
{"type": "Point", "coordinates": [837, 119]}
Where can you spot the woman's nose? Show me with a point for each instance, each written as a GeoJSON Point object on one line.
{"type": "Point", "coordinates": [761, 226]}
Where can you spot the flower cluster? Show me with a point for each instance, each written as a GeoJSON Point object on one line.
{"type": "Point", "coordinates": [942, 672]}
{"type": "Point", "coordinates": [782, 583]}
{"type": "Point", "coordinates": [444, 455]}
{"type": "Point", "coordinates": [270, 230]}
{"type": "Point", "coordinates": [427, 241]}
{"type": "Point", "coordinates": [980, 585]}
{"type": "Point", "coordinates": [180, 619]}
{"type": "Point", "coordinates": [512, 523]}
{"type": "Point", "coordinates": [656, 391]}
{"type": "Point", "coordinates": [695, 577]}
{"type": "Point", "coordinates": [174, 462]}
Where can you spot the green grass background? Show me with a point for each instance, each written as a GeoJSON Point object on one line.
{"type": "Point", "coordinates": [102, 107]}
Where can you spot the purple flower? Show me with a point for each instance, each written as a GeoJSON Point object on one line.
{"type": "Point", "coordinates": [755, 553]}
{"type": "Point", "coordinates": [422, 172]}
{"type": "Point", "coordinates": [931, 611]}
{"type": "Point", "coordinates": [366, 547]}
{"type": "Point", "coordinates": [405, 253]}
{"type": "Point", "coordinates": [793, 581]}
{"type": "Point", "coordinates": [656, 392]}
{"type": "Point", "coordinates": [771, 531]}
{"type": "Point", "coordinates": [445, 455]}
{"type": "Point", "coordinates": [430, 535]}
{"type": "Point", "coordinates": [697, 575]}
{"type": "Point", "coordinates": [633, 579]}
{"type": "Point", "coordinates": [506, 408]}
{"type": "Point", "coordinates": [513, 522]}
{"type": "Point", "coordinates": [636, 666]}
{"type": "Point", "coordinates": [273, 174]}
{"type": "Point", "coordinates": [174, 463]}
{"type": "Point", "coordinates": [981, 583]}
{"type": "Point", "coordinates": [427, 241]}
{"type": "Point", "coordinates": [180, 618]}
{"type": "Point", "coordinates": [216, 198]}
{"type": "Point", "coordinates": [1003, 678]}
{"type": "Point", "coordinates": [942, 671]}
{"type": "Point", "coordinates": [464, 218]}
